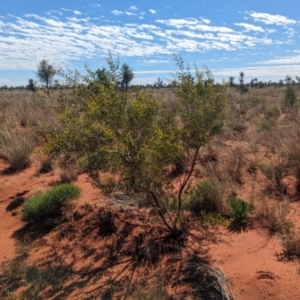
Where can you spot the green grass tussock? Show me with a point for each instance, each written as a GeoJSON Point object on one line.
{"type": "Point", "coordinates": [43, 205]}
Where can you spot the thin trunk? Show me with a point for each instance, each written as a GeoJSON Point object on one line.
{"type": "Point", "coordinates": [183, 185]}
{"type": "Point", "coordinates": [159, 211]}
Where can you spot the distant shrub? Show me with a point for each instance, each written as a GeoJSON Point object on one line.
{"type": "Point", "coordinates": [47, 204]}
{"type": "Point", "coordinates": [289, 96]}
{"type": "Point", "coordinates": [240, 209]}
{"type": "Point", "coordinates": [244, 89]}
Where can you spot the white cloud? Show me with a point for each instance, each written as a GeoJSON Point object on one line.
{"type": "Point", "coordinates": [271, 19]}
{"type": "Point", "coordinates": [76, 12]}
{"type": "Point", "coordinates": [283, 60]}
{"type": "Point", "coordinates": [250, 27]}
{"type": "Point", "coordinates": [154, 61]}
{"type": "Point", "coordinates": [205, 21]}
{"type": "Point", "coordinates": [117, 12]}
{"type": "Point", "coordinates": [153, 72]}
{"type": "Point", "coordinates": [152, 11]}
{"type": "Point", "coordinates": [290, 32]}
{"type": "Point", "coordinates": [128, 13]}
{"type": "Point", "coordinates": [26, 40]}
{"type": "Point", "coordinates": [193, 24]}
{"type": "Point", "coordinates": [133, 7]}
{"type": "Point", "coordinates": [260, 72]}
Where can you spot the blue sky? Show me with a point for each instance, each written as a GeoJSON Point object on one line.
{"type": "Point", "coordinates": [261, 38]}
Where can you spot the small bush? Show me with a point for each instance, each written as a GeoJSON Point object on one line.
{"type": "Point", "coordinates": [205, 196]}
{"type": "Point", "coordinates": [289, 96]}
{"type": "Point", "coordinates": [240, 209]}
{"type": "Point", "coordinates": [47, 204]}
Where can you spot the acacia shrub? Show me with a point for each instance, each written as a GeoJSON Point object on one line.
{"type": "Point", "coordinates": [134, 136]}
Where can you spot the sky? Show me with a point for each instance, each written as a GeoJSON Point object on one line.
{"type": "Point", "coordinates": [260, 38]}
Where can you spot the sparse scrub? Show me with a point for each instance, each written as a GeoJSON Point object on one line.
{"type": "Point", "coordinates": [275, 173]}
{"type": "Point", "coordinates": [44, 205]}
{"type": "Point", "coordinates": [25, 247]}
{"type": "Point", "coordinates": [272, 112]}
{"type": "Point", "coordinates": [68, 167]}
{"type": "Point", "coordinates": [151, 291]}
{"type": "Point", "coordinates": [206, 196]}
{"type": "Point", "coordinates": [21, 116]}
{"type": "Point", "coordinates": [237, 160]}
{"type": "Point", "coordinates": [272, 215]}
{"type": "Point", "coordinates": [68, 174]}
{"type": "Point", "coordinates": [291, 242]}
{"type": "Point", "coordinates": [265, 125]}
{"type": "Point", "coordinates": [16, 147]}
{"type": "Point", "coordinates": [46, 164]}
{"type": "Point", "coordinates": [33, 279]}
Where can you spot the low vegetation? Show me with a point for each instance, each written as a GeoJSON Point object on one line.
{"type": "Point", "coordinates": [47, 204]}
{"type": "Point", "coordinates": [240, 209]}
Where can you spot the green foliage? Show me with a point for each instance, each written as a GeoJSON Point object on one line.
{"type": "Point", "coordinates": [134, 135]}
{"type": "Point", "coordinates": [43, 205]}
{"type": "Point", "coordinates": [240, 209]}
{"type": "Point", "coordinates": [204, 197]}
{"type": "Point", "coordinates": [289, 96]}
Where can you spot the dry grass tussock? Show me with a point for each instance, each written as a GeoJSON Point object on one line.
{"type": "Point", "coordinates": [23, 115]}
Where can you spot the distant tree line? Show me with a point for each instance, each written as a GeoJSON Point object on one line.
{"type": "Point", "coordinates": [255, 83]}
{"type": "Point", "coordinates": [47, 71]}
